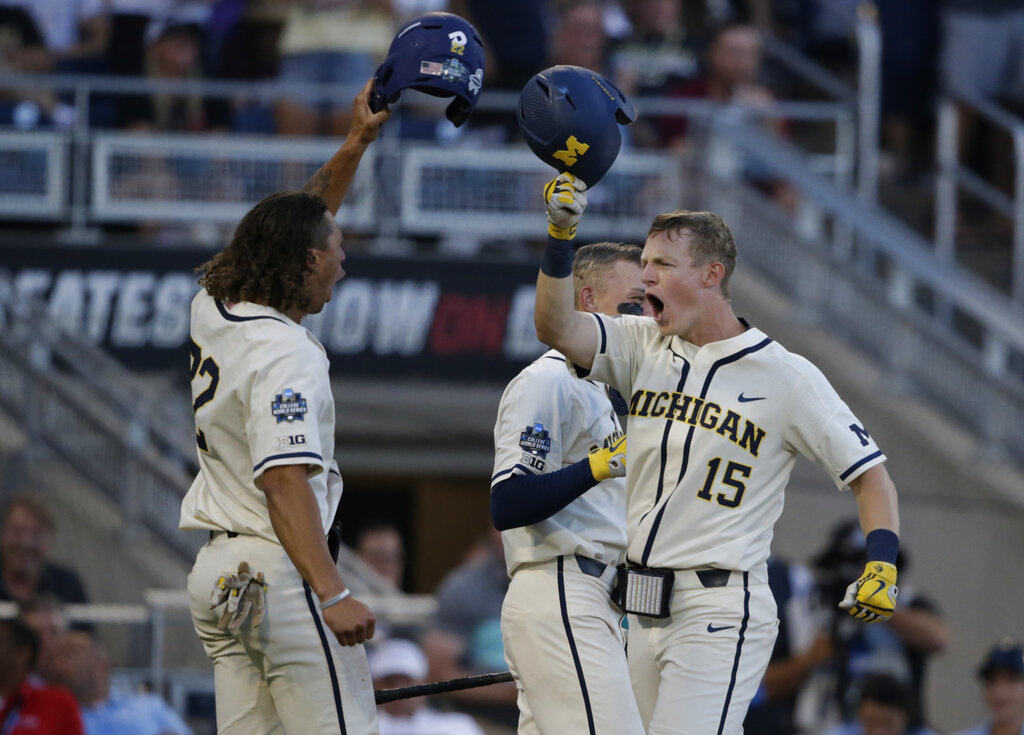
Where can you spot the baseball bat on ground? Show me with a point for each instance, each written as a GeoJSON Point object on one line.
{"type": "Point", "coordinates": [384, 696]}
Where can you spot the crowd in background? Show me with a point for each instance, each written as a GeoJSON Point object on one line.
{"type": "Point", "coordinates": [828, 673]}
{"type": "Point", "coordinates": [824, 668]}
{"type": "Point", "coordinates": [672, 48]}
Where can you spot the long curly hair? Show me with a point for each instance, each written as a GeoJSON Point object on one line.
{"type": "Point", "coordinates": [267, 260]}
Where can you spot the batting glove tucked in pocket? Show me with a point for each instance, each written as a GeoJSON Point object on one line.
{"type": "Point", "coordinates": [245, 595]}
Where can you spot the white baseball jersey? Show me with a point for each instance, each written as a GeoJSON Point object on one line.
{"type": "Point", "coordinates": [563, 639]}
{"type": "Point", "coordinates": [713, 435]}
{"type": "Point", "coordinates": [547, 421]}
{"type": "Point", "coordinates": [262, 398]}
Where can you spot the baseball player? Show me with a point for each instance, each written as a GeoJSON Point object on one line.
{"type": "Point", "coordinates": [558, 496]}
{"type": "Point", "coordinates": [718, 412]}
{"type": "Point", "coordinates": [266, 598]}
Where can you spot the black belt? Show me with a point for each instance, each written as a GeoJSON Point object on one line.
{"type": "Point", "coordinates": [333, 540]}
{"type": "Point", "coordinates": [593, 567]}
{"type": "Point", "coordinates": [713, 577]}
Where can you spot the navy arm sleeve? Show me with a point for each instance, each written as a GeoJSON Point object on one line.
{"type": "Point", "coordinates": [522, 500]}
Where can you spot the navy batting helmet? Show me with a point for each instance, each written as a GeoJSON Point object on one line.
{"type": "Point", "coordinates": [437, 53]}
{"type": "Point", "coordinates": [570, 117]}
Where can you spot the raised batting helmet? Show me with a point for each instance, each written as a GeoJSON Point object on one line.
{"type": "Point", "coordinates": [570, 117]}
{"type": "Point", "coordinates": [437, 53]}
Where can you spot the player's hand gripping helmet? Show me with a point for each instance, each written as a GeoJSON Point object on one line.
{"type": "Point", "coordinates": [570, 117]}
{"type": "Point", "coordinates": [437, 53]}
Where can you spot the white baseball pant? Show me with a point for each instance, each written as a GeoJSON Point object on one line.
{"type": "Point", "coordinates": [564, 646]}
{"type": "Point", "coordinates": [695, 672]}
{"type": "Point", "coordinates": [290, 674]}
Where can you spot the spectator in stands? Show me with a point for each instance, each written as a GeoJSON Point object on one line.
{"type": "Point", "coordinates": [28, 707]}
{"type": "Point", "coordinates": [173, 52]}
{"type": "Point", "coordinates": [85, 669]}
{"type": "Point", "coordinates": [900, 646]}
{"type": "Point", "coordinates": [515, 36]}
{"type": "Point", "coordinates": [249, 52]}
{"type": "Point", "coordinates": [732, 77]}
{"type": "Point", "coordinates": [658, 55]}
{"type": "Point", "coordinates": [380, 545]}
{"type": "Point", "coordinates": [1002, 674]}
{"type": "Point", "coordinates": [26, 539]}
{"type": "Point", "coordinates": [465, 637]}
{"type": "Point", "coordinates": [885, 707]}
{"type": "Point", "coordinates": [44, 614]}
{"type": "Point", "coordinates": [396, 663]}
{"type": "Point", "coordinates": [579, 36]}
{"type": "Point", "coordinates": [23, 51]}
{"type": "Point", "coordinates": [76, 33]}
{"type": "Point", "coordinates": [337, 42]}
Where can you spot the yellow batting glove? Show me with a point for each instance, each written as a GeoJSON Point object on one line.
{"type": "Point", "coordinates": [565, 198]}
{"type": "Point", "coordinates": [610, 460]}
{"type": "Point", "coordinates": [872, 597]}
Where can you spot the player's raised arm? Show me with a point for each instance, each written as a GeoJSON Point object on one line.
{"type": "Point", "coordinates": [331, 182]}
{"type": "Point", "coordinates": [873, 597]}
{"type": "Point", "coordinates": [559, 325]}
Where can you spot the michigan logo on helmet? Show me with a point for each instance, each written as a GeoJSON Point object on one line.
{"type": "Point", "coordinates": [440, 54]}
{"type": "Point", "coordinates": [570, 117]}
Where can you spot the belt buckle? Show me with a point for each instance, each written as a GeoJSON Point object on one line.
{"type": "Point", "coordinates": [646, 591]}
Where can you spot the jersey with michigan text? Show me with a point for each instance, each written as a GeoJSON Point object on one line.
{"type": "Point", "coordinates": [547, 420]}
{"type": "Point", "coordinates": [262, 398]}
{"type": "Point", "coordinates": [714, 432]}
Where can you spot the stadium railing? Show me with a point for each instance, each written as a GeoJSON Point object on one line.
{"type": "Point", "coordinates": [953, 175]}
{"type": "Point", "coordinates": [881, 283]}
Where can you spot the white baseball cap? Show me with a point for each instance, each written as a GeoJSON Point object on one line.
{"type": "Point", "coordinates": [397, 656]}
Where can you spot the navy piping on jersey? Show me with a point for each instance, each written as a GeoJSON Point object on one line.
{"type": "Point", "coordinates": [664, 445]}
{"type": "Point", "coordinates": [858, 464]}
{"type": "Point", "coordinates": [552, 357]}
{"type": "Point", "coordinates": [233, 318]}
{"type": "Point", "coordinates": [327, 655]}
{"type": "Point", "coordinates": [689, 437]}
{"type": "Point", "coordinates": [604, 335]}
{"type": "Point", "coordinates": [739, 647]}
{"type": "Point", "coordinates": [290, 455]}
{"type": "Point", "coordinates": [515, 467]}
{"type": "Point", "coordinates": [572, 646]}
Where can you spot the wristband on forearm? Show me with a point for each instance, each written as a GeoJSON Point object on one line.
{"type": "Point", "coordinates": [882, 545]}
{"type": "Point", "coordinates": [335, 600]}
{"type": "Point", "coordinates": [557, 262]}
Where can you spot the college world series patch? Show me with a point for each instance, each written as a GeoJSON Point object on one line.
{"type": "Point", "coordinates": [535, 440]}
{"type": "Point", "coordinates": [288, 406]}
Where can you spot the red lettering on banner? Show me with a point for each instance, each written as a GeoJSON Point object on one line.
{"type": "Point", "coordinates": [469, 325]}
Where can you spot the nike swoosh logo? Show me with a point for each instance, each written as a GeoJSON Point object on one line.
{"type": "Point", "coordinates": [713, 629]}
{"type": "Point", "coordinates": [746, 399]}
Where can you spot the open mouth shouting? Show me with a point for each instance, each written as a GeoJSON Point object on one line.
{"type": "Point", "coordinates": [657, 307]}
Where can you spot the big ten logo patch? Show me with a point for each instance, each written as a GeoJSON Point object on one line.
{"type": "Point", "coordinates": [573, 150]}
{"type": "Point", "coordinates": [459, 40]}
{"type": "Point", "coordinates": [295, 440]}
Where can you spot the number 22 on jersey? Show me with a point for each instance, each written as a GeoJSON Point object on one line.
{"type": "Point", "coordinates": [202, 368]}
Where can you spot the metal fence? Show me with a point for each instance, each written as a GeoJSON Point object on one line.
{"type": "Point", "coordinates": [939, 329]}
{"type": "Point", "coordinates": [97, 176]}
{"type": "Point", "coordinates": [953, 176]}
